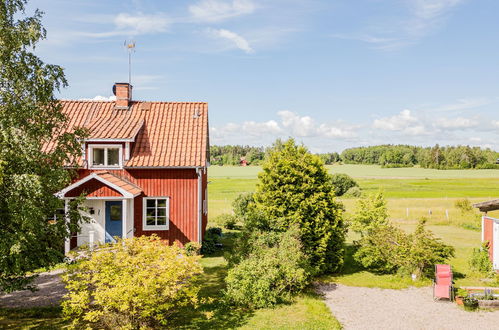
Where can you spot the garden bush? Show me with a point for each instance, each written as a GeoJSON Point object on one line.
{"type": "Point", "coordinates": [387, 249]}
{"type": "Point", "coordinates": [479, 260]}
{"type": "Point", "coordinates": [135, 283]}
{"type": "Point", "coordinates": [353, 192]}
{"type": "Point", "coordinates": [228, 221]}
{"type": "Point", "coordinates": [242, 205]}
{"type": "Point", "coordinates": [192, 248]}
{"type": "Point", "coordinates": [269, 271]}
{"type": "Point", "coordinates": [211, 239]}
{"type": "Point", "coordinates": [342, 183]}
{"type": "Point", "coordinates": [371, 212]}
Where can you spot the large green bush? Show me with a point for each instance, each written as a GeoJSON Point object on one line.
{"type": "Point", "coordinates": [296, 188]}
{"type": "Point", "coordinates": [135, 283]}
{"type": "Point", "coordinates": [342, 183]}
{"type": "Point", "coordinates": [388, 249]}
{"type": "Point", "coordinates": [268, 269]}
{"type": "Point", "coordinates": [242, 205]}
{"type": "Point", "coordinates": [480, 260]}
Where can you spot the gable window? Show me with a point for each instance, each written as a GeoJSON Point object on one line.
{"type": "Point", "coordinates": [105, 156]}
{"type": "Point", "coordinates": [156, 213]}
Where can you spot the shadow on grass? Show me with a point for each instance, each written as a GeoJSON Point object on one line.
{"type": "Point", "coordinates": [32, 318]}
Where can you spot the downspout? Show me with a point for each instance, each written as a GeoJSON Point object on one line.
{"type": "Point", "coordinates": [200, 204]}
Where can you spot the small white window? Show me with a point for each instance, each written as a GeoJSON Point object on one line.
{"type": "Point", "coordinates": [102, 156]}
{"type": "Point", "coordinates": [156, 213]}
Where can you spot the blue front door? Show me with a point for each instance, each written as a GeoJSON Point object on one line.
{"type": "Point", "coordinates": [114, 219]}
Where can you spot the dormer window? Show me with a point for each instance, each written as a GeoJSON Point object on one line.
{"type": "Point", "coordinates": [105, 156]}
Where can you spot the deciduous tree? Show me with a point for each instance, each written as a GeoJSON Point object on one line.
{"type": "Point", "coordinates": [30, 118]}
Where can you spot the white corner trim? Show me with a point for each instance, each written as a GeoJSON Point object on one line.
{"type": "Point", "coordinates": [95, 176]}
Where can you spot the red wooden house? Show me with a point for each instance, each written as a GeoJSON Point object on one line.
{"type": "Point", "coordinates": [143, 168]}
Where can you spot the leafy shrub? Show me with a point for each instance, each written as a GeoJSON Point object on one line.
{"type": "Point", "coordinates": [192, 248]}
{"type": "Point", "coordinates": [353, 192]}
{"type": "Point", "coordinates": [211, 239]}
{"type": "Point", "coordinates": [342, 183]}
{"type": "Point", "coordinates": [269, 271]}
{"type": "Point", "coordinates": [296, 188]}
{"type": "Point", "coordinates": [470, 303]}
{"type": "Point", "coordinates": [135, 283]}
{"type": "Point", "coordinates": [480, 261]}
{"type": "Point", "coordinates": [370, 213]}
{"type": "Point", "coordinates": [388, 249]}
{"type": "Point", "coordinates": [242, 205]}
{"type": "Point", "coordinates": [228, 221]}
{"type": "Point", "coordinates": [464, 205]}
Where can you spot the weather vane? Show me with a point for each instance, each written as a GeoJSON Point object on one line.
{"type": "Point", "coordinates": [130, 47]}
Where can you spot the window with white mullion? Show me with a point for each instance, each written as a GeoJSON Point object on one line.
{"type": "Point", "coordinates": [105, 155]}
{"type": "Point", "coordinates": [156, 213]}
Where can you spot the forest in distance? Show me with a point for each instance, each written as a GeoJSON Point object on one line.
{"type": "Point", "coordinates": [436, 157]}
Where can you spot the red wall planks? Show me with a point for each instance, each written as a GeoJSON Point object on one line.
{"type": "Point", "coordinates": [488, 234]}
{"type": "Point", "coordinates": [181, 186]}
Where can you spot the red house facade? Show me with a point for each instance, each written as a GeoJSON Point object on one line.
{"type": "Point", "coordinates": [143, 168]}
{"type": "Point", "coordinates": [490, 230]}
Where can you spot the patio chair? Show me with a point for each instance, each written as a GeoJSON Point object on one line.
{"type": "Point", "coordinates": [442, 285]}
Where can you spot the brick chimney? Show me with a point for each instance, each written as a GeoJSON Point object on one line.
{"type": "Point", "coordinates": [123, 92]}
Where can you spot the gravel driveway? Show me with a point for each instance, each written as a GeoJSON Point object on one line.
{"type": "Point", "coordinates": [49, 293]}
{"type": "Point", "coordinates": [413, 308]}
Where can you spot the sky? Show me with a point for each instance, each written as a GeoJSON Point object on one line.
{"type": "Point", "coordinates": [333, 74]}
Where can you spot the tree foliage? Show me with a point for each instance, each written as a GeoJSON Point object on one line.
{"type": "Point", "coordinates": [267, 269]}
{"type": "Point", "coordinates": [296, 188]}
{"type": "Point", "coordinates": [450, 157]}
{"type": "Point", "coordinates": [134, 283]}
{"type": "Point", "coordinates": [371, 212]}
{"type": "Point", "coordinates": [388, 249]}
{"type": "Point", "coordinates": [30, 117]}
{"type": "Point", "coordinates": [342, 183]}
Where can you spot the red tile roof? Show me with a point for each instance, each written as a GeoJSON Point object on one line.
{"type": "Point", "coordinates": [167, 134]}
{"type": "Point", "coordinates": [120, 182]}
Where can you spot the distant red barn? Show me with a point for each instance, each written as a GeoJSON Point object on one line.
{"type": "Point", "coordinates": [143, 168]}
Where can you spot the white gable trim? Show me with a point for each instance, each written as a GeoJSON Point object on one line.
{"type": "Point", "coordinates": [95, 176]}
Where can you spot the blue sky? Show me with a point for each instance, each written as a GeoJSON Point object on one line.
{"type": "Point", "coordinates": [333, 73]}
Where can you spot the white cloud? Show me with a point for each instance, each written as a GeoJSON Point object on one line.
{"type": "Point", "coordinates": [101, 98]}
{"type": "Point", "coordinates": [297, 126]}
{"type": "Point", "coordinates": [422, 18]}
{"type": "Point", "coordinates": [133, 25]}
{"type": "Point", "coordinates": [234, 38]}
{"type": "Point", "coordinates": [495, 123]}
{"type": "Point", "coordinates": [216, 10]}
{"type": "Point", "coordinates": [462, 104]}
{"type": "Point", "coordinates": [455, 123]}
{"type": "Point", "coordinates": [337, 131]}
{"type": "Point", "coordinates": [401, 121]}
{"type": "Point", "coordinates": [268, 127]}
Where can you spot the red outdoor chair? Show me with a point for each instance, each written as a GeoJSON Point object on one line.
{"type": "Point", "coordinates": [442, 286]}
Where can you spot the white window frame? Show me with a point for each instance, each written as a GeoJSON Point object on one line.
{"type": "Point", "coordinates": [91, 148]}
{"type": "Point", "coordinates": [146, 227]}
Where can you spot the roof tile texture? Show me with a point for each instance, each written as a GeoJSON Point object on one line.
{"type": "Point", "coordinates": [167, 134]}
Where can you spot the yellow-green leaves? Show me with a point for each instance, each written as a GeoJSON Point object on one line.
{"type": "Point", "coordinates": [139, 282]}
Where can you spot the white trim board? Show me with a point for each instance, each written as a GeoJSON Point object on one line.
{"type": "Point", "coordinates": [95, 176]}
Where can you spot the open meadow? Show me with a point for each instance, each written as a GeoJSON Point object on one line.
{"type": "Point", "coordinates": [411, 193]}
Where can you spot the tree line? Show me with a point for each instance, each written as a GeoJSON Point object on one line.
{"type": "Point", "coordinates": [234, 154]}
{"type": "Point", "coordinates": [438, 157]}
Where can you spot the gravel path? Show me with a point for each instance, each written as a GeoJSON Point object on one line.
{"type": "Point", "coordinates": [414, 308]}
{"type": "Point", "coordinates": [49, 293]}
